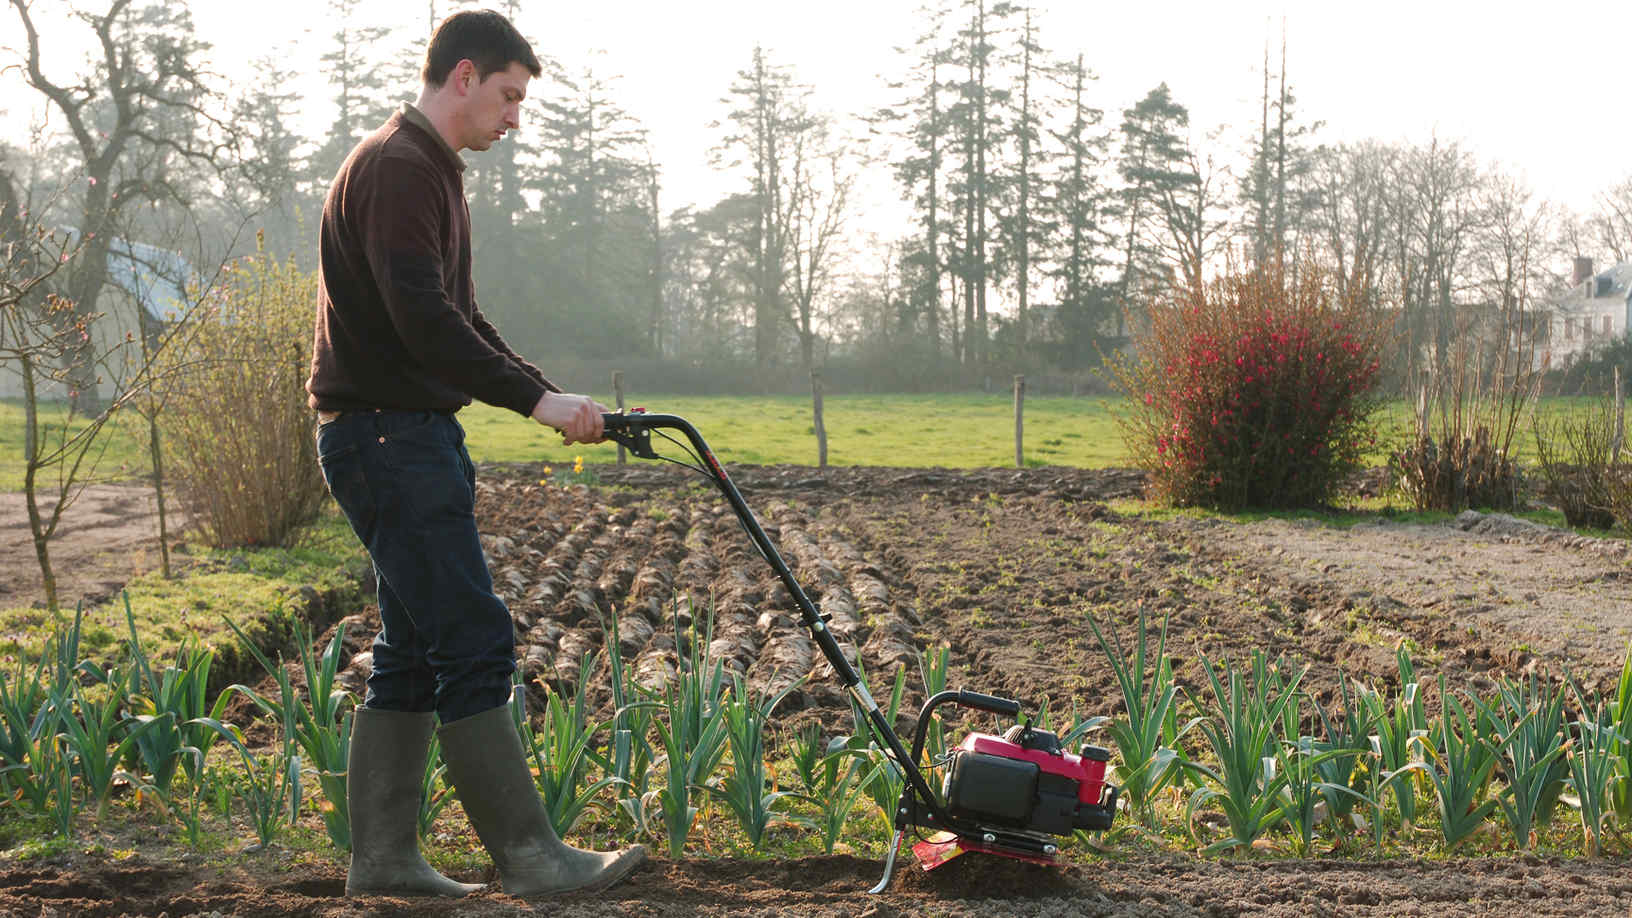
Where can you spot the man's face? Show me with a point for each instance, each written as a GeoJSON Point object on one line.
{"type": "Point", "coordinates": [493, 106]}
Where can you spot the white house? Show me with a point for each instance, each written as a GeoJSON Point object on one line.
{"type": "Point", "coordinates": [1594, 309]}
{"type": "Point", "coordinates": [146, 287]}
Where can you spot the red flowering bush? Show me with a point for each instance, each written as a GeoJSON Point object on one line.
{"type": "Point", "coordinates": [1256, 392]}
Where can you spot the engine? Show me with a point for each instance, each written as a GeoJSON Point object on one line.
{"type": "Point", "coordinates": [1024, 780]}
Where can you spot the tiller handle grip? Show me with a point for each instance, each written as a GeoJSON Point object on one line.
{"type": "Point", "coordinates": [1002, 707]}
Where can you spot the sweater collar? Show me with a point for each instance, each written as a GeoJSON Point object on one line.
{"type": "Point", "coordinates": [417, 118]}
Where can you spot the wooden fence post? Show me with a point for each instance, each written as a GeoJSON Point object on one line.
{"type": "Point", "coordinates": [1422, 413]}
{"type": "Point", "coordinates": [1019, 422]}
{"type": "Point", "coordinates": [817, 423]}
{"type": "Point", "coordinates": [617, 393]}
{"type": "Point", "coordinates": [1620, 419]}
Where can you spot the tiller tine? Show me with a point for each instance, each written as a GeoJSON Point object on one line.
{"type": "Point", "coordinates": [943, 847]}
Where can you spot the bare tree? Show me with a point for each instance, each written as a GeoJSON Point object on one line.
{"type": "Point", "coordinates": [1350, 184]}
{"type": "Point", "coordinates": [769, 116]}
{"type": "Point", "coordinates": [818, 202]}
{"type": "Point", "coordinates": [146, 99]}
{"type": "Point", "coordinates": [1611, 226]}
{"type": "Point", "coordinates": [39, 331]}
{"type": "Point", "coordinates": [1190, 222]}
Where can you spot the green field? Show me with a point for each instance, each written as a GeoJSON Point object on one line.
{"type": "Point", "coordinates": [959, 431]}
{"type": "Point", "coordinates": [956, 431]}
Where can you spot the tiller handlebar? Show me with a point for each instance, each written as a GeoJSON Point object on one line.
{"type": "Point", "coordinates": [1002, 795]}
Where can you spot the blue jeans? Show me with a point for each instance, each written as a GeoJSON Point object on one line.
{"type": "Point", "coordinates": [408, 488]}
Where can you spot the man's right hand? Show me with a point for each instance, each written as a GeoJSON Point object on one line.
{"type": "Point", "coordinates": [576, 417]}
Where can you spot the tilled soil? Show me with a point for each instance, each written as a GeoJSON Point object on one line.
{"type": "Point", "coordinates": [1005, 568]}
{"type": "Point", "coordinates": [833, 887]}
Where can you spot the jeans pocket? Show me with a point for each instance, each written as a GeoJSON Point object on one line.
{"type": "Point", "coordinates": [335, 440]}
{"type": "Point", "coordinates": [344, 475]}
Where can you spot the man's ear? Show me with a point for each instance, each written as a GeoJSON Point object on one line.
{"type": "Point", "coordinates": [464, 75]}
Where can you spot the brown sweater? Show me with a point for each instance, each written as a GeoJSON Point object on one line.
{"type": "Point", "coordinates": [397, 322]}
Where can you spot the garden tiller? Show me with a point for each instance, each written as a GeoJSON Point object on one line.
{"type": "Point", "coordinates": [1008, 795]}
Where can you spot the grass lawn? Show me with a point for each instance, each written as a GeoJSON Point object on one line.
{"type": "Point", "coordinates": [960, 431]}
{"type": "Point", "coordinates": [956, 431]}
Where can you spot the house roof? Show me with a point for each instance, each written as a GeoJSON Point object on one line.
{"type": "Point", "coordinates": [155, 279]}
{"type": "Point", "coordinates": [1620, 278]}
{"type": "Point", "coordinates": [1592, 295]}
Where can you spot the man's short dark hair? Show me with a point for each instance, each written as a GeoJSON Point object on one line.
{"type": "Point", "coordinates": [485, 37]}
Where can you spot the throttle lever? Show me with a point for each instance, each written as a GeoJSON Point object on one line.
{"type": "Point", "coordinates": [627, 430]}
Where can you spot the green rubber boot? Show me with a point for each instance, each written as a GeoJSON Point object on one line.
{"type": "Point", "coordinates": [388, 751]}
{"type": "Point", "coordinates": [488, 770]}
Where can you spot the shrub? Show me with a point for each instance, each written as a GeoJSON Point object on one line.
{"type": "Point", "coordinates": [239, 428]}
{"type": "Point", "coordinates": [1256, 391]}
{"type": "Point", "coordinates": [1576, 455]}
{"type": "Point", "coordinates": [1469, 411]}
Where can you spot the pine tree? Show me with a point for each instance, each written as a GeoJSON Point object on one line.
{"type": "Point", "coordinates": [1080, 203]}
{"type": "Point", "coordinates": [919, 172]}
{"type": "Point", "coordinates": [1276, 192]}
{"type": "Point", "coordinates": [979, 129]}
{"type": "Point", "coordinates": [769, 113]}
{"type": "Point", "coordinates": [362, 89]}
{"type": "Point", "coordinates": [1154, 169]}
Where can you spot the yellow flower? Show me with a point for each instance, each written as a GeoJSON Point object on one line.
{"type": "Point", "coordinates": [578, 465]}
{"type": "Point", "coordinates": [547, 473]}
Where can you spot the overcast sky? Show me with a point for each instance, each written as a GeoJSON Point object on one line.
{"type": "Point", "coordinates": [1548, 93]}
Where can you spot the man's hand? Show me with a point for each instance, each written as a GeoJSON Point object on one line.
{"type": "Point", "coordinates": [576, 417]}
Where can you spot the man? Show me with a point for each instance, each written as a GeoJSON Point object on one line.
{"type": "Point", "coordinates": [400, 347]}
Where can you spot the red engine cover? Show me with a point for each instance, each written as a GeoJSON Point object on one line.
{"type": "Point", "coordinates": [1089, 774]}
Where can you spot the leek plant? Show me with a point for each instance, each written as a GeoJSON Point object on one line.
{"type": "Point", "coordinates": [560, 750]}
{"type": "Point", "coordinates": [1301, 761]}
{"type": "Point", "coordinates": [1147, 740]}
{"type": "Point", "coordinates": [1401, 732]}
{"type": "Point", "coordinates": [844, 778]}
{"type": "Point", "coordinates": [38, 771]}
{"type": "Point", "coordinates": [806, 752]}
{"type": "Point", "coordinates": [1593, 752]}
{"type": "Point", "coordinates": [692, 731]}
{"type": "Point", "coordinates": [1248, 783]}
{"type": "Point", "coordinates": [1301, 790]}
{"type": "Point", "coordinates": [172, 700]}
{"type": "Point", "coordinates": [885, 779]}
{"type": "Point", "coordinates": [1347, 739]}
{"type": "Point", "coordinates": [747, 789]}
{"type": "Point", "coordinates": [630, 756]}
{"type": "Point", "coordinates": [1620, 713]}
{"type": "Point", "coordinates": [932, 670]}
{"type": "Point", "coordinates": [318, 727]}
{"type": "Point", "coordinates": [269, 787]}
{"type": "Point", "coordinates": [98, 737]}
{"type": "Point", "coordinates": [1459, 765]}
{"type": "Point", "coordinates": [28, 740]}
{"type": "Point", "coordinates": [434, 793]}
{"type": "Point", "coordinates": [1527, 735]}
{"type": "Point", "coordinates": [1379, 781]}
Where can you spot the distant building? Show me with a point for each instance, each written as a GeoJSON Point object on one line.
{"type": "Point", "coordinates": [1590, 312]}
{"type": "Point", "coordinates": [146, 289]}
